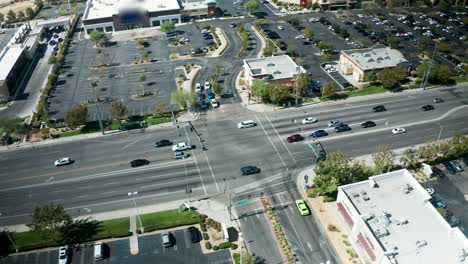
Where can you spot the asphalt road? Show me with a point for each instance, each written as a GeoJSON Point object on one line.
{"type": "Point", "coordinates": [101, 177]}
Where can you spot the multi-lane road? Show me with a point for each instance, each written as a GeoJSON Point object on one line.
{"type": "Point", "coordinates": [101, 176]}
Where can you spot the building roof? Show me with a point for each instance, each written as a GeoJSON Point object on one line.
{"type": "Point", "coordinates": [106, 8]}
{"type": "Point", "coordinates": [8, 58]}
{"type": "Point", "coordinates": [274, 68]}
{"type": "Point", "coordinates": [196, 4]}
{"type": "Point", "coordinates": [374, 58]}
{"type": "Point", "coordinates": [397, 211]}
{"type": "Point", "coordinates": [6, 38]}
{"type": "Point", "coordinates": [59, 20]}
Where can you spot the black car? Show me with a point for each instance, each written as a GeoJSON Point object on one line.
{"type": "Point", "coordinates": [368, 124]}
{"type": "Point", "coordinates": [379, 108]}
{"type": "Point", "coordinates": [227, 95]}
{"type": "Point", "coordinates": [208, 36]}
{"type": "Point", "coordinates": [203, 104]}
{"type": "Point", "coordinates": [438, 172]}
{"type": "Point", "coordinates": [342, 128]}
{"type": "Point", "coordinates": [60, 39]}
{"type": "Point", "coordinates": [249, 170]}
{"type": "Point", "coordinates": [201, 97]}
{"type": "Point", "coordinates": [139, 162]}
{"type": "Point", "coordinates": [427, 108]}
{"type": "Point", "coordinates": [194, 234]}
{"type": "Point", "coordinates": [162, 143]}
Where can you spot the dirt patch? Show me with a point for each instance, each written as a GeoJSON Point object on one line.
{"type": "Point", "coordinates": [7, 5]}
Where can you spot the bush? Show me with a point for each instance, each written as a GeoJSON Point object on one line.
{"type": "Point", "coordinates": [224, 245]}
{"type": "Point", "coordinates": [327, 199]}
{"type": "Point", "coordinates": [311, 193]}
{"type": "Point", "coordinates": [208, 245]}
{"type": "Point", "coordinates": [215, 248]}
{"type": "Point", "coordinates": [234, 246]}
{"type": "Point", "coordinates": [203, 227]}
{"type": "Point", "coordinates": [205, 236]}
{"type": "Point", "coordinates": [332, 228]}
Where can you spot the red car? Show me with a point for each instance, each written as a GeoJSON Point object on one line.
{"type": "Point", "coordinates": [295, 138]}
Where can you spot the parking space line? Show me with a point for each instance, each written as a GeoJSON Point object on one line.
{"type": "Point", "coordinates": [277, 152]}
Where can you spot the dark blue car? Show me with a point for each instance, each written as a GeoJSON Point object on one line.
{"type": "Point", "coordinates": [319, 133]}
{"type": "Point", "coordinates": [450, 167]}
{"type": "Point", "coordinates": [210, 94]}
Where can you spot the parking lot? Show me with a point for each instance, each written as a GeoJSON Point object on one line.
{"type": "Point", "coordinates": [453, 191]}
{"type": "Point", "coordinates": [118, 252]}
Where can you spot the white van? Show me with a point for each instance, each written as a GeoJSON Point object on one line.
{"type": "Point", "coordinates": [98, 251]}
{"type": "Point", "coordinates": [246, 124]}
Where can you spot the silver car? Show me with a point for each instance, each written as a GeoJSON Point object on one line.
{"type": "Point", "coordinates": [181, 155]}
{"type": "Point", "coordinates": [334, 123]}
{"type": "Point", "coordinates": [456, 165]}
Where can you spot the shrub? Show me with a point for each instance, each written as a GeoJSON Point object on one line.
{"type": "Point", "coordinates": [202, 216]}
{"type": "Point", "coordinates": [215, 248]}
{"type": "Point", "coordinates": [203, 227]}
{"type": "Point", "coordinates": [332, 228]}
{"type": "Point", "coordinates": [224, 245]}
{"type": "Point", "coordinates": [208, 245]}
{"type": "Point", "coordinates": [311, 193]}
{"type": "Point", "coordinates": [327, 199]}
{"type": "Point", "coordinates": [346, 242]}
{"type": "Point", "coordinates": [205, 236]}
{"type": "Point", "coordinates": [234, 246]}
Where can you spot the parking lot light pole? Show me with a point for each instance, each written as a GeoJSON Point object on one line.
{"type": "Point", "coordinates": [132, 195]}
{"type": "Point", "coordinates": [97, 109]}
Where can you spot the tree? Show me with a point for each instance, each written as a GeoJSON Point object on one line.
{"type": "Point", "coordinates": [308, 32]}
{"type": "Point", "coordinates": [392, 77]}
{"type": "Point", "coordinates": [50, 220]}
{"type": "Point", "coordinates": [327, 56]}
{"type": "Point", "coordinates": [217, 88]}
{"type": "Point", "coordinates": [11, 126]}
{"type": "Point", "coordinates": [291, 50]}
{"type": "Point", "coordinates": [38, 3]}
{"type": "Point", "coordinates": [444, 6]}
{"type": "Point", "coordinates": [329, 89]}
{"type": "Point", "coordinates": [29, 12]}
{"type": "Point", "coordinates": [371, 76]}
{"type": "Point", "coordinates": [2, 17]}
{"type": "Point", "coordinates": [183, 99]}
{"type": "Point", "coordinates": [52, 59]}
{"type": "Point", "coordinates": [160, 108]}
{"type": "Point", "coordinates": [445, 47]}
{"type": "Point", "coordinates": [315, 5]}
{"type": "Point", "coordinates": [98, 37]}
{"type": "Point", "coordinates": [167, 26]}
{"type": "Point", "coordinates": [324, 46]}
{"type": "Point", "coordinates": [344, 33]}
{"type": "Point", "coordinates": [21, 14]}
{"type": "Point", "coordinates": [304, 84]}
{"type": "Point", "coordinates": [251, 5]}
{"type": "Point", "coordinates": [143, 78]}
{"type": "Point", "coordinates": [294, 22]}
{"type": "Point", "coordinates": [118, 110]}
{"type": "Point", "coordinates": [77, 115]}
{"type": "Point", "coordinates": [438, 74]}
{"type": "Point", "coordinates": [259, 88]}
{"type": "Point", "coordinates": [394, 42]}
{"type": "Point", "coordinates": [384, 158]}
{"type": "Point", "coordinates": [409, 158]}
{"type": "Point", "coordinates": [11, 15]}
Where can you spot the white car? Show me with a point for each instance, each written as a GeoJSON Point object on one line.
{"type": "Point", "coordinates": [63, 161]}
{"type": "Point", "coordinates": [181, 146]}
{"type": "Point", "coordinates": [309, 120]}
{"type": "Point", "coordinates": [207, 85]}
{"type": "Point", "coordinates": [246, 124]}
{"type": "Point", "coordinates": [183, 40]}
{"type": "Point", "coordinates": [300, 37]}
{"type": "Point", "coordinates": [198, 87]}
{"type": "Point", "coordinates": [332, 69]}
{"type": "Point", "coordinates": [63, 255]}
{"type": "Point", "coordinates": [398, 130]}
{"type": "Point", "coordinates": [430, 191]}
{"type": "Point", "coordinates": [214, 103]}
{"type": "Point", "coordinates": [205, 31]}
{"type": "Point", "coordinates": [280, 27]}
{"type": "Point", "coordinates": [313, 20]}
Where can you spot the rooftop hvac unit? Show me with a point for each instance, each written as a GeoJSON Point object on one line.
{"type": "Point", "coordinates": [401, 221]}
{"type": "Point", "coordinates": [277, 72]}
{"type": "Point", "coordinates": [370, 60]}
{"type": "Point", "coordinates": [364, 196]}
{"type": "Point", "coordinates": [270, 64]}
{"type": "Point", "coordinates": [381, 232]}
{"type": "Point", "coordinates": [421, 243]}
{"type": "Point", "coordinates": [366, 55]}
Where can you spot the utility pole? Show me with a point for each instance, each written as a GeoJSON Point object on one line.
{"type": "Point", "coordinates": [96, 103]}
{"type": "Point", "coordinates": [174, 120]}
{"type": "Point", "coordinates": [428, 72]}
{"type": "Point", "coordinates": [297, 84]}
{"type": "Point", "coordinates": [11, 240]}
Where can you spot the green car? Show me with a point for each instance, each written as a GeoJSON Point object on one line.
{"type": "Point", "coordinates": [302, 206]}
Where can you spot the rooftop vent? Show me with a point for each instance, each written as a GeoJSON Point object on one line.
{"type": "Point", "coordinates": [370, 60]}
{"type": "Point", "coordinates": [367, 55]}
{"type": "Point", "coordinates": [381, 232]}
{"type": "Point", "coordinates": [407, 189]}
{"type": "Point", "coordinates": [364, 196]}
{"type": "Point", "coordinates": [379, 58]}
{"type": "Point", "coordinates": [421, 243]}
{"type": "Point", "coordinates": [270, 64]}
{"type": "Point", "coordinates": [401, 221]}
{"type": "Point", "coordinates": [277, 72]}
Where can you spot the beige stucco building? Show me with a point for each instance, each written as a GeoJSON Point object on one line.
{"type": "Point", "coordinates": [359, 62]}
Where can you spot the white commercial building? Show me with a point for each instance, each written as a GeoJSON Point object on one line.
{"type": "Point", "coordinates": [392, 221]}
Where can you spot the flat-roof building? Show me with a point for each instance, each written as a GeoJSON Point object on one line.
{"type": "Point", "coordinates": [12, 60]}
{"type": "Point", "coordinates": [117, 15]}
{"type": "Point", "coordinates": [280, 69]}
{"type": "Point", "coordinates": [391, 220]}
{"type": "Point", "coordinates": [358, 62]}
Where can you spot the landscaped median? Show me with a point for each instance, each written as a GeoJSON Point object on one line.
{"type": "Point", "coordinates": [169, 219]}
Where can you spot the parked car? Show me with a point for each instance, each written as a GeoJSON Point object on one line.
{"type": "Point", "coordinates": [398, 130]}
{"type": "Point", "coordinates": [139, 162]}
{"type": "Point", "coordinates": [379, 108]}
{"type": "Point", "coordinates": [430, 191]}
{"type": "Point", "coordinates": [203, 104]}
{"type": "Point", "coordinates": [181, 147]}
{"type": "Point", "coordinates": [280, 27]}
{"type": "Point", "coordinates": [205, 31]}
{"type": "Point", "coordinates": [181, 155]}
{"type": "Point", "coordinates": [246, 124]}
{"type": "Point", "coordinates": [309, 120]}
{"type": "Point", "coordinates": [319, 133]}
{"type": "Point", "coordinates": [162, 143]}
{"type": "Point", "coordinates": [453, 221]}
{"type": "Point", "coordinates": [198, 87]}
{"type": "Point", "coordinates": [450, 167]}
{"type": "Point", "coordinates": [437, 202]}
{"type": "Point", "coordinates": [210, 94]}
{"type": "Point", "coordinates": [247, 170]}
{"type": "Point", "coordinates": [368, 124]}
{"type": "Point", "coordinates": [438, 172]}
{"type": "Point", "coordinates": [207, 85]}
{"type": "Point", "coordinates": [456, 165]}
{"type": "Point", "coordinates": [342, 128]}
{"type": "Point", "coordinates": [232, 25]}
{"type": "Point", "coordinates": [427, 108]}
{"type": "Point", "coordinates": [214, 103]}
{"type": "Point", "coordinates": [302, 206]}
{"type": "Point", "coordinates": [63, 255]}
{"type": "Point", "coordinates": [166, 239]}
{"type": "Point", "coordinates": [63, 161]}
{"type": "Point", "coordinates": [295, 138]}
{"type": "Point", "coordinates": [195, 236]}
{"type": "Point", "coordinates": [334, 123]}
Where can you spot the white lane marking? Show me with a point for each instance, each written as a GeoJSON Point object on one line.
{"type": "Point", "coordinates": [51, 178]}
{"type": "Point", "coordinates": [277, 152]}
{"type": "Point", "coordinates": [82, 196]}
{"type": "Point", "coordinates": [282, 141]}
{"type": "Point", "coordinates": [294, 229]}
{"type": "Point", "coordinates": [163, 183]}
{"type": "Point", "coordinates": [113, 183]}
{"type": "Point", "coordinates": [109, 192]}
{"type": "Point", "coordinates": [85, 187]}
{"type": "Point", "coordinates": [160, 175]}
{"type": "Point", "coordinates": [196, 163]}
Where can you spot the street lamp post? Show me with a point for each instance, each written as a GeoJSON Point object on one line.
{"type": "Point", "coordinates": [132, 195]}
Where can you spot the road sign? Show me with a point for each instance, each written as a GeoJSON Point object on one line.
{"type": "Point", "coordinates": [241, 203]}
